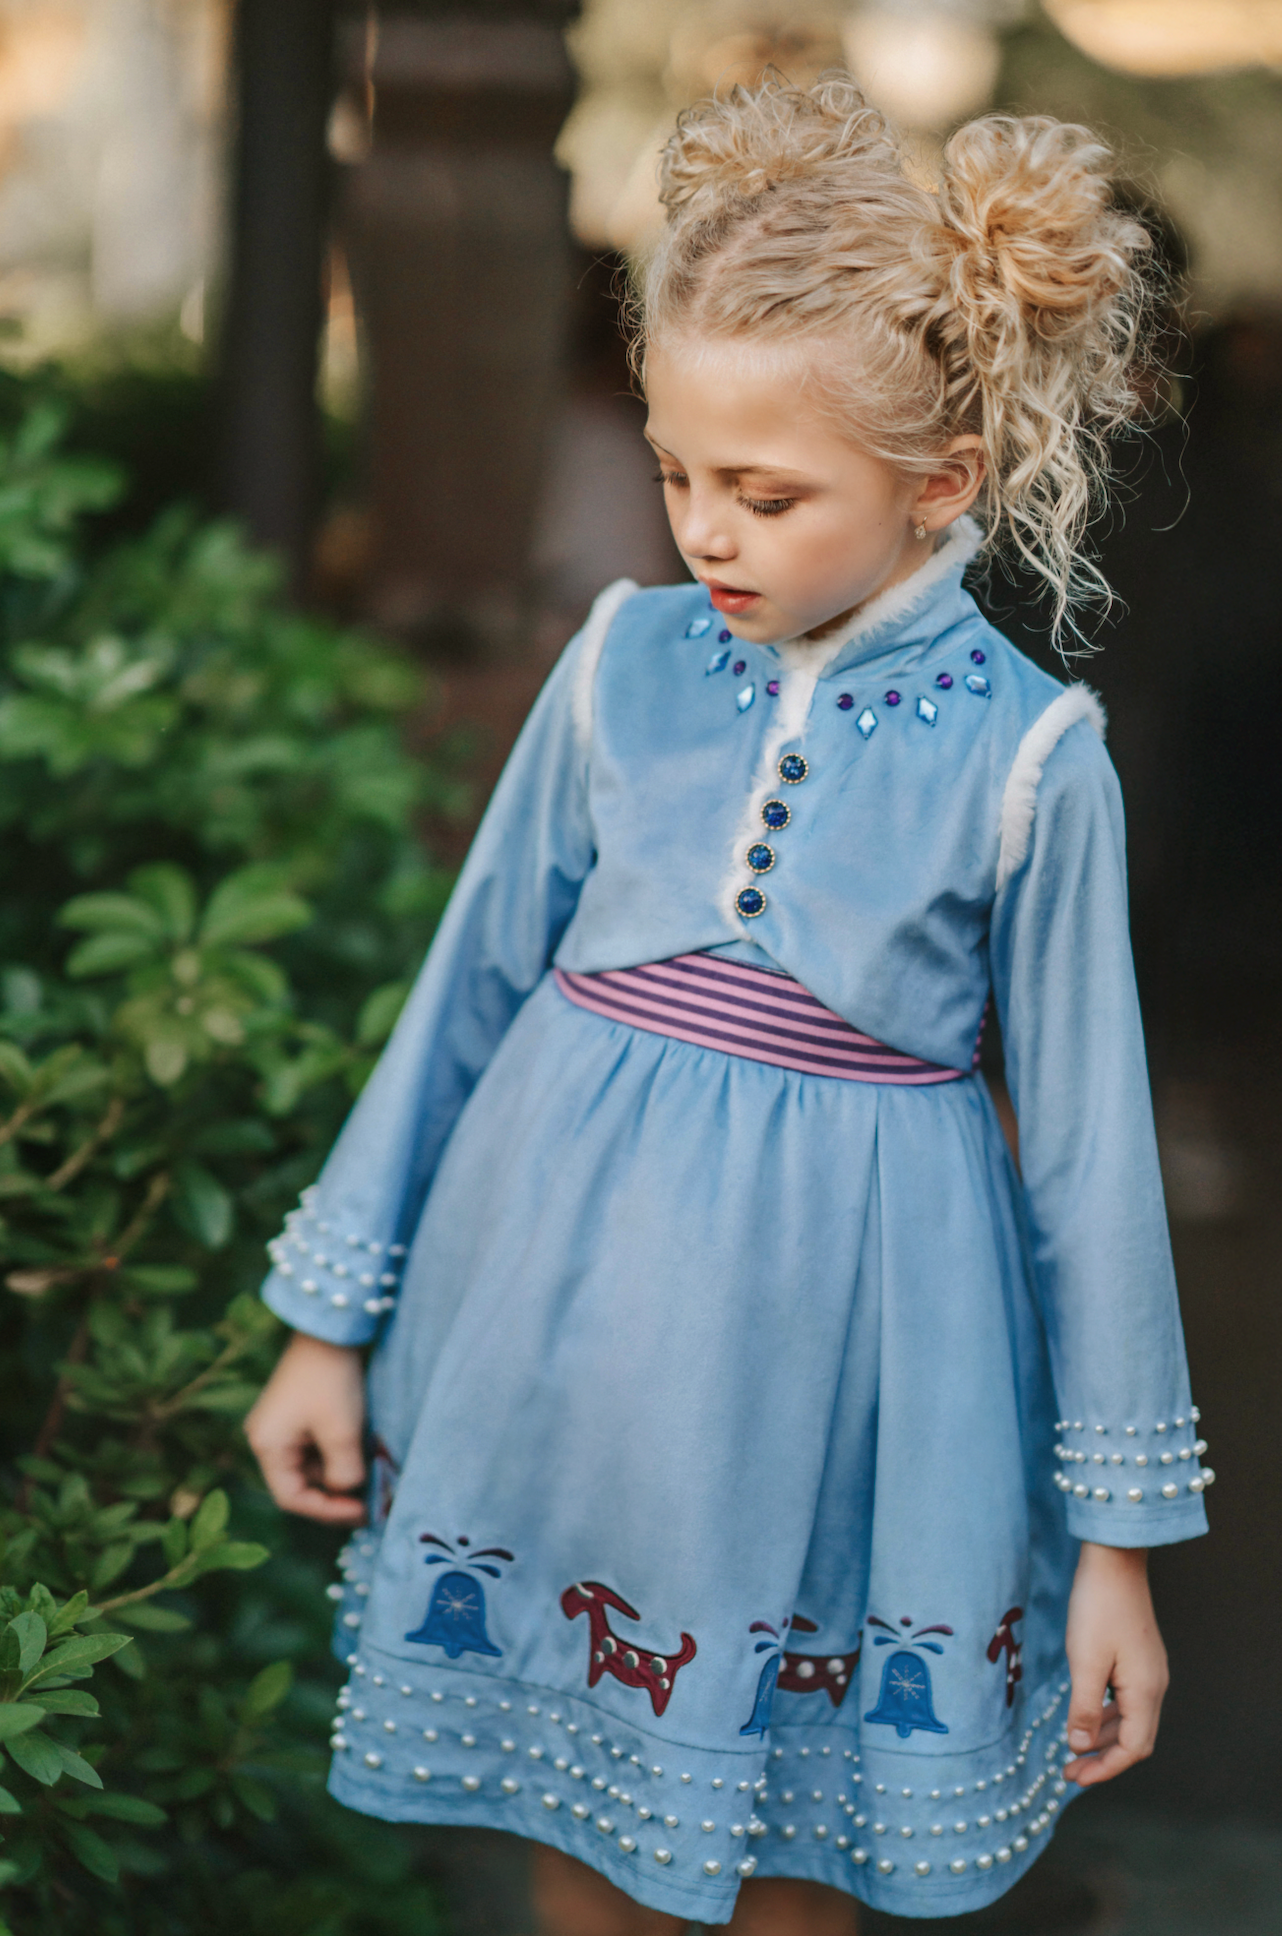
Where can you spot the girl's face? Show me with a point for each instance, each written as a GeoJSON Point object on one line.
{"type": "Point", "coordinates": [789, 525]}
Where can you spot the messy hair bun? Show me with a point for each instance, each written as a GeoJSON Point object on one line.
{"type": "Point", "coordinates": [1006, 301]}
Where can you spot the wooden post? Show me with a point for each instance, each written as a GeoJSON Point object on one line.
{"type": "Point", "coordinates": [270, 440]}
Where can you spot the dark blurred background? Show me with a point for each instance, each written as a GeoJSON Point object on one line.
{"type": "Point", "coordinates": [349, 272]}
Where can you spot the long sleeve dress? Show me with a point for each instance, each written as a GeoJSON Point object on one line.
{"type": "Point", "coordinates": [735, 1428]}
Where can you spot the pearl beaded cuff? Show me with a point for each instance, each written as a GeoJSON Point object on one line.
{"type": "Point", "coordinates": [1122, 1482]}
{"type": "Point", "coordinates": [329, 1279]}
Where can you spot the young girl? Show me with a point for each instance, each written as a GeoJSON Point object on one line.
{"type": "Point", "coordinates": [763, 1469]}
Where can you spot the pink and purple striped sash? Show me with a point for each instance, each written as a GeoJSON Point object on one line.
{"type": "Point", "coordinates": [765, 1017]}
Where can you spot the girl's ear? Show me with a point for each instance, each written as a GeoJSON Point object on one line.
{"type": "Point", "coordinates": [953, 487]}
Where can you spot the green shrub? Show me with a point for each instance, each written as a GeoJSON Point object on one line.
{"type": "Point", "coordinates": [211, 901]}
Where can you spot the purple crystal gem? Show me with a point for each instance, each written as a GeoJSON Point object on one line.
{"type": "Point", "coordinates": [892, 698]}
{"type": "Point", "coordinates": [723, 638]}
{"type": "Point", "coordinates": [772, 687]}
{"type": "Point", "coordinates": [977, 657]}
{"type": "Point", "coordinates": [740, 666]}
{"type": "Point", "coordinates": [846, 701]}
{"type": "Point", "coordinates": [945, 680]}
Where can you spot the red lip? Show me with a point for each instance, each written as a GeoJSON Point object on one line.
{"type": "Point", "coordinates": [727, 599]}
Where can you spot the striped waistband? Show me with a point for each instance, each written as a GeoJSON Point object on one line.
{"type": "Point", "coordinates": [751, 1012]}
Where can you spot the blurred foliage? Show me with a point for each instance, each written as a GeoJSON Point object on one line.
{"type": "Point", "coordinates": [211, 902]}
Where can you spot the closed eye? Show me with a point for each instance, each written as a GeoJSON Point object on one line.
{"type": "Point", "coordinates": [767, 507]}
{"type": "Point", "coordinates": [670, 477]}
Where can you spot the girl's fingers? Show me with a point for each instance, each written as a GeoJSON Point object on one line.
{"type": "Point", "coordinates": [341, 1459]}
{"type": "Point", "coordinates": [289, 1467]}
{"type": "Point", "coordinates": [1086, 1703]}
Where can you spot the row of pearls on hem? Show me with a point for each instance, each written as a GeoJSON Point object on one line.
{"type": "Point", "coordinates": [1185, 1452]}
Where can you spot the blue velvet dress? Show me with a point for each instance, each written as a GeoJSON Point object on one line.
{"type": "Point", "coordinates": [734, 1428]}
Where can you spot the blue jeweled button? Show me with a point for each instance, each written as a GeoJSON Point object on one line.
{"type": "Point", "coordinates": [760, 858]}
{"type": "Point", "coordinates": [745, 698]}
{"type": "Point", "coordinates": [718, 662]}
{"type": "Point", "coordinates": [697, 627]}
{"type": "Point", "coordinates": [927, 710]}
{"type": "Point", "coordinates": [893, 698]}
{"type": "Point", "coordinates": [977, 658]}
{"type": "Point", "coordinates": [739, 667]}
{"type": "Point", "coordinates": [976, 683]}
{"type": "Point", "coordinates": [776, 814]}
{"type": "Point", "coordinates": [845, 700]}
{"type": "Point", "coordinates": [867, 722]}
{"type": "Point", "coordinates": [945, 680]}
{"type": "Point", "coordinates": [793, 769]}
{"type": "Point", "coordinates": [724, 637]}
{"type": "Point", "coordinates": [750, 902]}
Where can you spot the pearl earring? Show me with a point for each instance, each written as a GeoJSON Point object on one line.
{"type": "Point", "coordinates": [920, 532]}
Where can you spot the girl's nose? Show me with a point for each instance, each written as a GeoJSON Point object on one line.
{"type": "Point", "coordinates": [703, 536]}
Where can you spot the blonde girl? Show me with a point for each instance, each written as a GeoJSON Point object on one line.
{"type": "Point", "coordinates": [762, 1468]}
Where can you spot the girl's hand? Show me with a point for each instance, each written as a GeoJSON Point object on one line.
{"type": "Point", "coordinates": [1113, 1642]}
{"type": "Point", "coordinates": [305, 1431]}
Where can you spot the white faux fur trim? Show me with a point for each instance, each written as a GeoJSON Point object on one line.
{"type": "Point", "coordinates": [597, 624]}
{"type": "Point", "coordinates": [1019, 801]}
{"type": "Point", "coordinates": [961, 541]}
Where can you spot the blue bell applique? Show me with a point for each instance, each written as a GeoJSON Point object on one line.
{"type": "Point", "coordinates": [455, 1617]}
{"type": "Point", "coordinates": [905, 1702]}
{"type": "Point", "coordinates": [759, 1720]}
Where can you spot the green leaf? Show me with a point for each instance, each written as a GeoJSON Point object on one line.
{"type": "Point", "coordinates": [239, 1555]}
{"type": "Point", "coordinates": [107, 954]}
{"type": "Point", "coordinates": [152, 1619]}
{"type": "Point", "coordinates": [91, 1851]}
{"type": "Point", "coordinates": [77, 1767]}
{"type": "Point", "coordinates": [267, 1690]}
{"type": "Point", "coordinates": [9, 1805]}
{"type": "Point", "coordinates": [83, 1651]}
{"type": "Point", "coordinates": [251, 906]}
{"type": "Point", "coordinates": [173, 1542]}
{"type": "Point", "coordinates": [126, 1808]}
{"type": "Point", "coordinates": [201, 1205]}
{"type": "Point", "coordinates": [17, 1718]}
{"type": "Point", "coordinates": [254, 1795]}
{"type": "Point", "coordinates": [32, 1635]}
{"type": "Point", "coordinates": [15, 1068]}
{"type": "Point", "coordinates": [170, 891]}
{"type": "Point", "coordinates": [36, 1755]}
{"type": "Point", "coordinates": [378, 1016]}
{"type": "Point", "coordinates": [166, 1059]}
{"type": "Point", "coordinates": [159, 1280]}
{"type": "Point", "coordinates": [210, 1522]}
{"type": "Point", "coordinates": [69, 1613]}
{"type": "Point", "coordinates": [113, 912]}
{"type": "Point", "coordinates": [68, 1700]}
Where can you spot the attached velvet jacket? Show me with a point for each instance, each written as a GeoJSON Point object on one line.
{"type": "Point", "coordinates": [959, 830]}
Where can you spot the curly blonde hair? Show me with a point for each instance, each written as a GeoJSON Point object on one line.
{"type": "Point", "coordinates": [1008, 301]}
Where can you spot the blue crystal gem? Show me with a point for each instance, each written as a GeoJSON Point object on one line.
{"type": "Point", "coordinates": [739, 668]}
{"type": "Point", "coordinates": [793, 768]}
{"type": "Point", "coordinates": [867, 722]}
{"type": "Point", "coordinates": [945, 680]}
{"type": "Point", "coordinates": [750, 902]}
{"type": "Point", "coordinates": [718, 662]}
{"type": "Point", "coordinates": [744, 698]}
{"type": "Point", "coordinates": [927, 710]}
{"type": "Point", "coordinates": [697, 627]}
{"type": "Point", "coordinates": [760, 857]}
{"type": "Point", "coordinates": [976, 683]}
{"type": "Point", "coordinates": [724, 638]}
{"type": "Point", "coordinates": [845, 700]}
{"type": "Point", "coordinates": [977, 658]}
{"type": "Point", "coordinates": [776, 814]}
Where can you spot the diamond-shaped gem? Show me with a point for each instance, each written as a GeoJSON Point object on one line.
{"type": "Point", "coordinates": [867, 722]}
{"type": "Point", "coordinates": [927, 710]}
{"type": "Point", "coordinates": [744, 697]}
{"type": "Point", "coordinates": [697, 627]}
{"type": "Point", "coordinates": [718, 661]}
{"type": "Point", "coordinates": [976, 683]}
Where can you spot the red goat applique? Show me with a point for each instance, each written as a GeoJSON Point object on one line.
{"type": "Point", "coordinates": [1004, 1641]}
{"type": "Point", "coordinates": [634, 1666]}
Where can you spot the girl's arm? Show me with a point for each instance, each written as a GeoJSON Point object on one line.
{"type": "Point", "coordinates": [305, 1431]}
{"type": "Point", "coordinates": [1125, 1454]}
{"type": "Point", "coordinates": [338, 1263]}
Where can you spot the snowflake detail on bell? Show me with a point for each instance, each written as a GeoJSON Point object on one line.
{"type": "Point", "coordinates": [455, 1617]}
{"type": "Point", "coordinates": [906, 1700]}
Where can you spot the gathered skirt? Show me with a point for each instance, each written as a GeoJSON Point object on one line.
{"type": "Point", "coordinates": [713, 1526]}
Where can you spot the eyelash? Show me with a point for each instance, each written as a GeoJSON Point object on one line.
{"type": "Point", "coordinates": [761, 507]}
